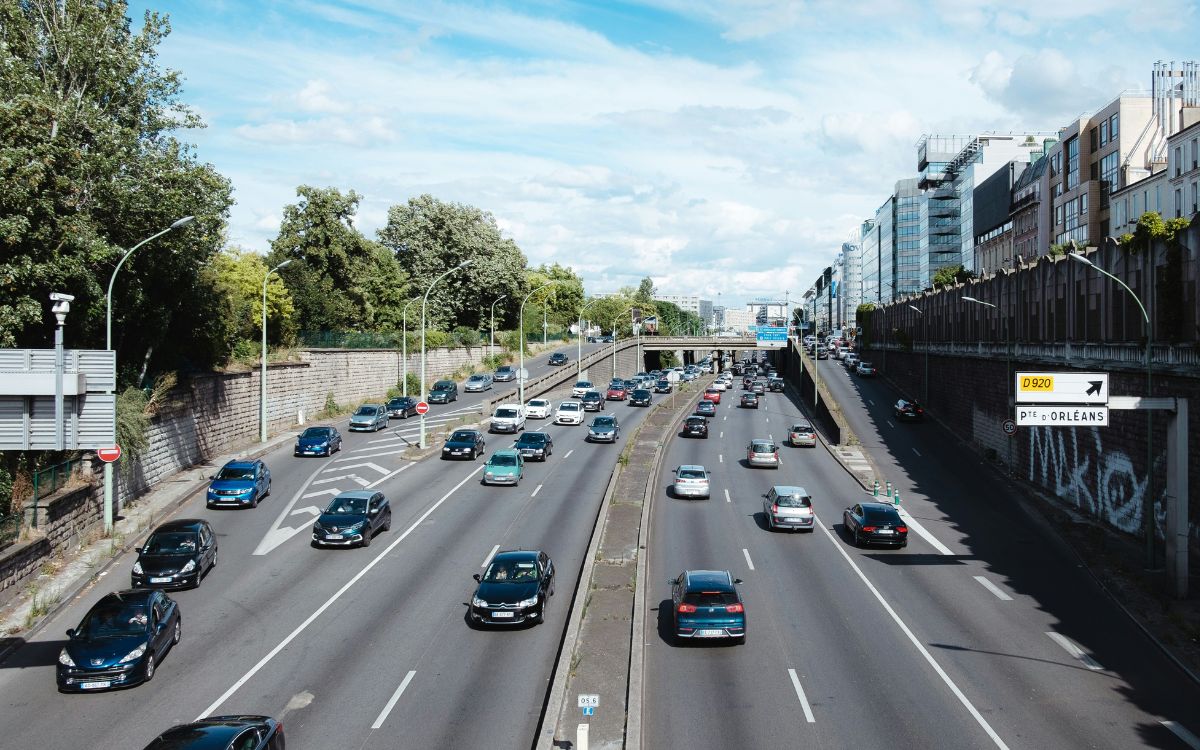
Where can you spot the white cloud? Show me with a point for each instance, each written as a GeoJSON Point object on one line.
{"type": "Point", "coordinates": [315, 97]}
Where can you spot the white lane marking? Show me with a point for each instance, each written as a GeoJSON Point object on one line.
{"type": "Point", "coordinates": [309, 509]}
{"type": "Point", "coordinates": [768, 419]}
{"type": "Point", "coordinates": [912, 524]}
{"type": "Point", "coordinates": [914, 450]}
{"type": "Point", "coordinates": [366, 464]}
{"type": "Point", "coordinates": [726, 417]}
{"type": "Point", "coordinates": [381, 480]}
{"type": "Point", "coordinates": [376, 455]}
{"type": "Point", "coordinates": [356, 478]}
{"type": "Point", "coordinates": [727, 497]}
{"type": "Point", "coordinates": [332, 600]}
{"type": "Point", "coordinates": [568, 454]}
{"type": "Point", "coordinates": [993, 588]}
{"type": "Point", "coordinates": [808, 714]}
{"type": "Point", "coordinates": [1074, 650]}
{"type": "Point", "coordinates": [331, 493]}
{"type": "Point", "coordinates": [489, 557]}
{"type": "Point", "coordinates": [749, 562]}
{"type": "Point", "coordinates": [720, 458]}
{"type": "Point", "coordinates": [770, 436]}
{"type": "Point", "coordinates": [869, 401]}
{"type": "Point", "coordinates": [722, 434]}
{"type": "Point", "coordinates": [1182, 733]}
{"type": "Point", "coordinates": [392, 703]}
{"type": "Point", "coordinates": [915, 642]}
{"type": "Point", "coordinates": [890, 423]}
{"type": "Point", "coordinates": [536, 490]}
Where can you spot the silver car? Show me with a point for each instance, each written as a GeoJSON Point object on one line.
{"type": "Point", "coordinates": [690, 481]}
{"type": "Point", "coordinates": [369, 418]}
{"type": "Point", "coordinates": [763, 453]}
{"type": "Point", "coordinates": [478, 382]}
{"type": "Point", "coordinates": [802, 433]}
{"type": "Point", "coordinates": [788, 507]}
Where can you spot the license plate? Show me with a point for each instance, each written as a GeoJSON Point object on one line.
{"type": "Point", "coordinates": [503, 615]}
{"type": "Point", "coordinates": [333, 536]}
{"type": "Point", "coordinates": [160, 580]}
{"type": "Point", "coordinates": [455, 453]}
{"type": "Point", "coordinates": [709, 633]}
{"type": "Point", "coordinates": [95, 685]}
{"type": "Point", "coordinates": [884, 531]}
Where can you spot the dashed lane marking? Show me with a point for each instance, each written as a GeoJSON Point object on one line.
{"type": "Point", "coordinates": [536, 490]}
{"type": "Point", "coordinates": [993, 588]}
{"type": "Point", "coordinates": [912, 524]}
{"type": "Point", "coordinates": [1074, 650]}
{"type": "Point", "coordinates": [808, 714]}
{"type": "Point", "coordinates": [727, 497]}
{"type": "Point", "coordinates": [489, 557]}
{"type": "Point", "coordinates": [1182, 733]}
{"type": "Point", "coordinates": [392, 703]}
{"type": "Point", "coordinates": [749, 562]}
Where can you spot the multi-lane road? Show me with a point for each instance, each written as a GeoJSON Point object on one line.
{"type": "Point", "coordinates": [983, 633]}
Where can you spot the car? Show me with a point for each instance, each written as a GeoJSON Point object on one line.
{"type": "Point", "coordinates": [691, 480]}
{"type": "Point", "coordinates": [712, 394]}
{"type": "Point", "coordinates": [706, 408]}
{"type": "Point", "coordinates": [631, 384]}
{"type": "Point", "coordinates": [318, 441]}
{"type": "Point", "coordinates": [762, 452]}
{"type": "Point", "coordinates": [402, 408]}
{"type": "Point", "coordinates": [508, 418]}
{"type": "Point", "coordinates": [538, 408]}
{"type": "Point", "coordinates": [759, 387]}
{"type": "Point", "coordinates": [802, 434]}
{"type": "Point", "coordinates": [822, 352]}
{"type": "Point", "coordinates": [706, 604]}
{"type": "Point", "coordinates": [720, 385]}
{"type": "Point", "coordinates": [851, 361]}
{"type": "Point", "coordinates": [788, 507]}
{"type": "Point", "coordinates": [514, 589]}
{"type": "Point", "coordinates": [581, 387]}
{"type": "Point", "coordinates": [875, 523]}
{"type": "Point", "coordinates": [504, 467]}
{"type": "Point", "coordinates": [443, 392]}
{"type": "Point", "coordinates": [352, 518]}
{"type": "Point", "coordinates": [775, 384]}
{"type": "Point", "coordinates": [234, 732]}
{"type": "Point", "coordinates": [119, 642]}
{"type": "Point", "coordinates": [865, 369]}
{"type": "Point", "coordinates": [504, 373]}
{"type": "Point", "coordinates": [662, 385]}
{"type": "Point", "coordinates": [557, 359]}
{"type": "Point", "coordinates": [749, 400]}
{"type": "Point", "coordinates": [176, 555]}
{"type": "Point", "coordinates": [569, 412]}
{"type": "Point", "coordinates": [369, 418]}
{"type": "Point", "coordinates": [640, 397]}
{"type": "Point", "coordinates": [535, 445]}
{"type": "Point", "coordinates": [466, 444]}
{"type": "Point", "coordinates": [592, 401]}
{"type": "Point", "coordinates": [695, 426]}
{"type": "Point", "coordinates": [604, 429]}
{"type": "Point", "coordinates": [240, 484]}
{"type": "Point", "coordinates": [616, 392]}
{"type": "Point", "coordinates": [909, 410]}
{"type": "Point", "coordinates": [478, 382]}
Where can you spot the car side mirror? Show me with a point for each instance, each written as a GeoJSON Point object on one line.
{"type": "Point", "coordinates": [673, 582]}
{"type": "Point", "coordinates": [71, 633]}
{"type": "Point", "coordinates": [476, 577]}
{"type": "Point", "coordinates": [737, 580]}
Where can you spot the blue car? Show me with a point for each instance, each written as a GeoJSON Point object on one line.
{"type": "Point", "coordinates": [240, 484]}
{"type": "Point", "coordinates": [706, 604]}
{"type": "Point", "coordinates": [318, 441]}
{"type": "Point", "coordinates": [119, 642]}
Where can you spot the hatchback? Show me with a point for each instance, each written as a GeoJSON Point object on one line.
{"type": "Point", "coordinates": [759, 387]}
{"type": "Point", "coordinates": [616, 392]}
{"type": "Point", "coordinates": [706, 408]}
{"type": "Point", "coordinates": [463, 444]}
{"type": "Point", "coordinates": [177, 555]}
{"type": "Point", "coordinates": [909, 410]}
{"type": "Point", "coordinates": [478, 382]}
{"type": "Point", "coordinates": [706, 604]}
{"type": "Point", "coordinates": [788, 507]}
{"type": "Point", "coordinates": [640, 397]}
{"type": "Point", "coordinates": [802, 434]}
{"type": "Point", "coordinates": [604, 429]}
{"type": "Point", "coordinates": [443, 392]}
{"type": "Point", "coordinates": [241, 732]}
{"type": "Point", "coordinates": [865, 369]}
{"type": "Point", "coordinates": [569, 412]}
{"type": "Point", "coordinates": [402, 408]}
{"type": "Point", "coordinates": [318, 441]}
{"type": "Point", "coordinates": [369, 418]}
{"type": "Point", "coordinates": [749, 400]}
{"type": "Point", "coordinates": [712, 394]}
{"type": "Point", "coordinates": [514, 589]}
{"type": "Point", "coordinates": [762, 453]}
{"type": "Point", "coordinates": [690, 481]}
{"type": "Point", "coordinates": [662, 385]}
{"type": "Point", "coordinates": [557, 359]}
{"type": "Point", "coordinates": [875, 523]}
{"type": "Point", "coordinates": [504, 467]}
{"type": "Point", "coordinates": [504, 373]}
{"type": "Point", "coordinates": [695, 427]}
{"type": "Point", "coordinates": [592, 401]}
{"type": "Point", "coordinates": [119, 642]}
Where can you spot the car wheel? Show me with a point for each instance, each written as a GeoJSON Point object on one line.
{"type": "Point", "coordinates": [857, 539]}
{"type": "Point", "coordinates": [150, 667]}
{"type": "Point", "coordinates": [254, 502]}
{"type": "Point", "coordinates": [178, 631]}
{"type": "Point", "coordinates": [268, 492]}
{"type": "Point", "coordinates": [387, 525]}
{"type": "Point", "coordinates": [366, 542]}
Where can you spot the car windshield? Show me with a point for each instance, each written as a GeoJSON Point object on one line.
{"type": "Point", "coordinates": [534, 438]}
{"type": "Point", "coordinates": [236, 472]}
{"type": "Point", "coordinates": [641, 393]}
{"type": "Point", "coordinates": [502, 460]}
{"type": "Point", "coordinates": [793, 501]}
{"type": "Point", "coordinates": [583, 384]}
{"type": "Point", "coordinates": [365, 411]}
{"type": "Point", "coordinates": [511, 571]}
{"type": "Point", "coordinates": [603, 422]}
{"type": "Point", "coordinates": [864, 364]}
{"type": "Point", "coordinates": [568, 406]}
{"type": "Point", "coordinates": [710, 598]}
{"type": "Point", "coordinates": [506, 413]}
{"type": "Point", "coordinates": [463, 436]}
{"type": "Point", "coordinates": [347, 506]}
{"type": "Point", "coordinates": [763, 447]}
{"type": "Point", "coordinates": [692, 474]}
{"type": "Point", "coordinates": [505, 368]}
{"type": "Point", "coordinates": [114, 618]}
{"type": "Point", "coordinates": [443, 386]}
{"type": "Point", "coordinates": [590, 396]}
{"type": "Point", "coordinates": [477, 378]}
{"type": "Point", "coordinates": [171, 543]}
{"type": "Point", "coordinates": [539, 402]}
{"type": "Point", "coordinates": [316, 432]}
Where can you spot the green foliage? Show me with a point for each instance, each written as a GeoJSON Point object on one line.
{"type": "Point", "coordinates": [667, 360]}
{"type": "Point", "coordinates": [247, 350]}
{"type": "Point", "coordinates": [132, 423]}
{"type": "Point", "coordinates": [510, 340]}
{"type": "Point", "coordinates": [951, 275]}
{"type": "Point", "coordinates": [239, 277]}
{"type": "Point", "coordinates": [1058, 250]}
{"type": "Point", "coordinates": [331, 407]}
{"type": "Point", "coordinates": [862, 315]}
{"type": "Point", "coordinates": [645, 291]}
{"type": "Point", "coordinates": [465, 337]}
{"type": "Point", "coordinates": [562, 301]}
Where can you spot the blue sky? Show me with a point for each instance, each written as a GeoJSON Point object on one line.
{"type": "Point", "coordinates": [718, 147]}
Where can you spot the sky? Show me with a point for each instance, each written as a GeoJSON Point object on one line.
{"type": "Point", "coordinates": [726, 149]}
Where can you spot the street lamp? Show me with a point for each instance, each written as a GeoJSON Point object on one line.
{"type": "Point", "coordinates": [262, 424]}
{"type": "Point", "coordinates": [614, 330]}
{"type": "Point", "coordinates": [404, 343]}
{"type": "Point", "coordinates": [925, 331]}
{"type": "Point", "coordinates": [424, 304]}
{"type": "Point", "coordinates": [1007, 360]}
{"type": "Point", "coordinates": [492, 335]}
{"type": "Point", "coordinates": [521, 341]}
{"type": "Point", "coordinates": [579, 339]}
{"type": "Point", "coordinates": [108, 467]}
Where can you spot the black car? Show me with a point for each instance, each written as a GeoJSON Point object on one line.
{"type": "Point", "coordinates": [223, 733]}
{"type": "Point", "coordinates": [177, 555]}
{"type": "Point", "coordinates": [514, 589]}
{"type": "Point", "coordinates": [466, 444]}
{"type": "Point", "coordinates": [352, 518]}
{"type": "Point", "coordinates": [558, 358]}
{"type": "Point", "coordinates": [749, 400]}
{"type": "Point", "coordinates": [640, 397]}
{"type": "Point", "coordinates": [119, 642]}
{"type": "Point", "coordinates": [535, 445]}
{"type": "Point", "coordinates": [695, 427]}
{"type": "Point", "coordinates": [663, 385]}
{"type": "Point", "coordinates": [909, 410]}
{"type": "Point", "coordinates": [592, 401]}
{"type": "Point", "coordinates": [318, 441]}
{"type": "Point", "coordinates": [402, 408]}
{"type": "Point", "coordinates": [875, 523]}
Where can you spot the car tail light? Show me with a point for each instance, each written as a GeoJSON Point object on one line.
{"type": "Point", "coordinates": [735, 608]}
{"type": "Point", "coordinates": [868, 529]}
{"type": "Point", "coordinates": [687, 608]}
{"type": "Point", "coordinates": [902, 529]}
{"type": "Point", "coordinates": [775, 509]}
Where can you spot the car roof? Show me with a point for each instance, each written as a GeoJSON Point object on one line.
{"type": "Point", "coordinates": [182, 524]}
{"type": "Point", "coordinates": [711, 580]}
{"type": "Point", "coordinates": [239, 465]}
{"type": "Point", "coordinates": [357, 494]}
{"type": "Point", "coordinates": [505, 452]}
{"type": "Point", "coordinates": [516, 554]}
{"type": "Point", "coordinates": [693, 467]}
{"type": "Point", "coordinates": [879, 506]}
{"type": "Point", "coordinates": [535, 434]}
{"type": "Point", "coordinates": [129, 595]}
{"type": "Point", "coordinates": [210, 733]}
{"type": "Point", "coordinates": [700, 417]}
{"type": "Point", "coordinates": [789, 489]}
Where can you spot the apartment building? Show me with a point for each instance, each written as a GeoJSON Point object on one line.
{"type": "Point", "coordinates": [738, 321]}
{"type": "Point", "coordinates": [689, 303]}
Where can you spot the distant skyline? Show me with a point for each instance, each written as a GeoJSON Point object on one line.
{"type": "Point", "coordinates": [717, 147]}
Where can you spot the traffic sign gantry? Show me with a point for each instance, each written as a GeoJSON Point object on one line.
{"type": "Point", "coordinates": [422, 407]}
{"type": "Point", "coordinates": [108, 455]}
{"type": "Point", "coordinates": [1062, 388]}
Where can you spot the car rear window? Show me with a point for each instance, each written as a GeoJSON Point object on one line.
{"type": "Point", "coordinates": [881, 515]}
{"type": "Point", "coordinates": [793, 501]}
{"type": "Point", "coordinates": [802, 428]}
{"type": "Point", "coordinates": [763, 447]}
{"type": "Point", "coordinates": [710, 598]}
{"type": "Point", "coordinates": [691, 474]}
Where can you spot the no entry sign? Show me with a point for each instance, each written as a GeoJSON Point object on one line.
{"type": "Point", "coordinates": [108, 455]}
{"type": "Point", "coordinates": [422, 407]}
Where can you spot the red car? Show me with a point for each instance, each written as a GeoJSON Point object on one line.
{"type": "Point", "coordinates": [616, 393]}
{"type": "Point", "coordinates": [712, 394]}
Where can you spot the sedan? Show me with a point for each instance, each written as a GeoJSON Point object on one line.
{"type": "Point", "coordinates": [706, 604]}
{"type": "Point", "coordinates": [909, 410]}
{"type": "Point", "coordinates": [762, 453]}
{"type": "Point", "coordinates": [802, 434]}
{"type": "Point", "coordinates": [535, 445]}
{"type": "Point", "coordinates": [712, 394]}
{"type": "Point", "coordinates": [775, 384]}
{"type": "Point", "coordinates": [352, 518]}
{"type": "Point", "coordinates": [788, 507]}
{"type": "Point", "coordinates": [604, 429]}
{"type": "Point", "coordinates": [514, 589]}
{"type": "Point", "coordinates": [369, 418]}
{"type": "Point", "coordinates": [177, 555]}
{"type": "Point", "coordinates": [119, 642]}
{"type": "Point", "coordinates": [466, 444]}
{"type": "Point", "coordinates": [640, 397]}
{"type": "Point", "coordinates": [478, 382]}
{"type": "Point", "coordinates": [504, 373]}
{"type": "Point", "coordinates": [592, 401]}
{"type": "Point", "coordinates": [402, 408]}
{"type": "Point", "coordinates": [318, 441]}
{"type": "Point", "coordinates": [690, 481]}
{"type": "Point", "coordinates": [616, 392]}
{"type": "Point", "coordinates": [239, 484]}
{"type": "Point", "coordinates": [504, 467]}
{"type": "Point", "coordinates": [557, 359]}
{"type": "Point", "coordinates": [706, 408]}
{"type": "Point", "coordinates": [865, 369]}
{"type": "Point", "coordinates": [239, 732]}
{"type": "Point", "coordinates": [695, 427]}
{"type": "Point", "coordinates": [749, 400]}
{"type": "Point", "coordinates": [539, 408]}
{"type": "Point", "coordinates": [875, 523]}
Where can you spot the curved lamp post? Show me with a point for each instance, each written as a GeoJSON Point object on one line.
{"type": "Point", "coordinates": [108, 467]}
{"type": "Point", "coordinates": [614, 330]}
{"type": "Point", "coordinates": [579, 339]}
{"type": "Point", "coordinates": [925, 381]}
{"type": "Point", "coordinates": [424, 304]}
{"type": "Point", "coordinates": [492, 336]}
{"type": "Point", "coordinates": [404, 343]}
{"type": "Point", "coordinates": [521, 342]}
{"type": "Point", "coordinates": [262, 401]}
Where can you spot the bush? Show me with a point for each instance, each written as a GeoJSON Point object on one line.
{"type": "Point", "coordinates": [247, 350]}
{"type": "Point", "coordinates": [435, 340]}
{"type": "Point", "coordinates": [465, 337]}
{"type": "Point", "coordinates": [331, 407]}
{"type": "Point", "coordinates": [510, 340]}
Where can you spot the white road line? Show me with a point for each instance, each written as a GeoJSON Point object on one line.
{"type": "Point", "coordinates": [808, 714]}
{"type": "Point", "coordinates": [869, 401]}
{"type": "Point", "coordinates": [381, 480]}
{"type": "Point", "coordinates": [366, 464]}
{"type": "Point", "coordinates": [392, 703]}
{"type": "Point", "coordinates": [768, 419]}
{"type": "Point", "coordinates": [726, 417]}
{"type": "Point", "coordinates": [720, 458]}
{"type": "Point", "coordinates": [916, 643]}
{"type": "Point", "coordinates": [406, 444]}
{"type": "Point", "coordinates": [332, 600]}
{"type": "Point", "coordinates": [890, 424]}
{"type": "Point", "coordinates": [536, 490]}
{"type": "Point", "coordinates": [489, 557]}
{"type": "Point", "coordinates": [331, 493]}
{"type": "Point", "coordinates": [993, 588]}
{"type": "Point", "coordinates": [1182, 733]}
{"type": "Point", "coordinates": [914, 450]}
{"type": "Point", "coordinates": [722, 434]}
{"type": "Point", "coordinates": [727, 497]}
{"type": "Point", "coordinates": [352, 477]}
{"type": "Point", "coordinates": [912, 524]}
{"type": "Point", "coordinates": [1073, 649]}
{"type": "Point", "coordinates": [749, 562]}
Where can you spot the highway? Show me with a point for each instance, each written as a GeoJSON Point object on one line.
{"type": "Point", "coordinates": [350, 648]}
{"type": "Point", "coordinates": [983, 632]}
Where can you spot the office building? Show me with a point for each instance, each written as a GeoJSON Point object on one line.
{"type": "Point", "coordinates": [689, 303]}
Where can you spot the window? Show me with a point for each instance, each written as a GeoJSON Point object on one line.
{"type": "Point", "coordinates": [1178, 161]}
{"type": "Point", "coordinates": [1071, 148]}
{"type": "Point", "coordinates": [1095, 171]}
{"type": "Point", "coordinates": [1112, 126]}
{"type": "Point", "coordinates": [1058, 215]}
{"type": "Point", "coordinates": [1195, 153]}
{"type": "Point", "coordinates": [1104, 133]}
{"type": "Point", "coordinates": [1178, 202]}
{"type": "Point", "coordinates": [1095, 139]}
{"type": "Point", "coordinates": [1195, 197]}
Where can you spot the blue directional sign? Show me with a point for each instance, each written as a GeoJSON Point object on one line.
{"type": "Point", "coordinates": [589, 711]}
{"type": "Point", "coordinates": [771, 337]}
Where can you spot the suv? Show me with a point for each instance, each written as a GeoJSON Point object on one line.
{"type": "Point", "coordinates": [706, 604]}
{"type": "Point", "coordinates": [444, 391]}
{"type": "Point", "coordinates": [504, 373]}
{"type": "Point", "coordinates": [508, 418]}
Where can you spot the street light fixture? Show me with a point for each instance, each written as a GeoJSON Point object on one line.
{"type": "Point", "coordinates": [1007, 360]}
{"type": "Point", "coordinates": [579, 339]}
{"type": "Point", "coordinates": [614, 330]}
{"type": "Point", "coordinates": [424, 304]}
{"type": "Point", "coordinates": [492, 335]}
{"type": "Point", "coordinates": [521, 341]}
{"type": "Point", "coordinates": [925, 331]}
{"type": "Point", "coordinates": [262, 406]}
{"type": "Point", "coordinates": [404, 344]}
{"type": "Point", "coordinates": [108, 467]}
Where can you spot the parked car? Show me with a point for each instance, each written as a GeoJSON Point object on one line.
{"type": "Point", "coordinates": [640, 397]}
{"type": "Point", "coordinates": [712, 394]}
{"type": "Point", "coordinates": [908, 410]}
{"type": "Point", "coordinates": [691, 480]}
{"type": "Point", "coordinates": [604, 429]}
{"type": "Point", "coordinates": [695, 426]}
{"type": "Point", "coordinates": [569, 412]}
{"type": "Point", "coordinates": [557, 359]}
{"type": "Point", "coordinates": [504, 373]}
{"type": "Point", "coordinates": [318, 441]}
{"type": "Point", "coordinates": [352, 518]}
{"type": "Point", "coordinates": [802, 434]}
{"type": "Point", "coordinates": [706, 604]}
{"type": "Point", "coordinates": [865, 369]}
{"type": "Point", "coordinates": [504, 467]}
{"type": "Point", "coordinates": [508, 418]}
{"type": "Point", "coordinates": [762, 452]}
{"type": "Point", "coordinates": [706, 409]}
{"type": "Point", "coordinates": [749, 400]}
{"type": "Point", "coordinates": [537, 446]}
{"type": "Point", "coordinates": [788, 507]}
{"type": "Point", "coordinates": [443, 392]}
{"type": "Point", "coordinates": [539, 408]}
{"type": "Point", "coordinates": [581, 387]}
{"type": "Point", "coordinates": [592, 401]}
{"type": "Point", "coordinates": [463, 444]}
{"type": "Point", "coordinates": [119, 642]}
{"type": "Point", "coordinates": [240, 484]}
{"type": "Point", "coordinates": [240, 732]}
{"type": "Point", "coordinates": [402, 408]}
{"type": "Point", "coordinates": [369, 418]}
{"type": "Point", "coordinates": [478, 382]}
{"type": "Point", "coordinates": [875, 523]}
{"type": "Point", "coordinates": [178, 554]}
{"type": "Point", "coordinates": [616, 392]}
{"type": "Point", "coordinates": [514, 589]}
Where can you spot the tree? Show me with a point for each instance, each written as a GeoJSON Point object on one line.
{"type": "Point", "coordinates": [645, 290]}
{"type": "Point", "coordinates": [239, 277]}
{"type": "Point", "coordinates": [951, 275]}
{"type": "Point", "coordinates": [564, 299]}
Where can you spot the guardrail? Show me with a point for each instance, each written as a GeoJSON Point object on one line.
{"type": "Point", "coordinates": [549, 381]}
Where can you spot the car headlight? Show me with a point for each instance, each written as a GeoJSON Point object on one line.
{"type": "Point", "coordinates": [475, 602]}
{"type": "Point", "coordinates": [530, 602]}
{"type": "Point", "coordinates": [134, 654]}
{"type": "Point", "coordinates": [137, 568]}
{"type": "Point", "coordinates": [191, 565]}
{"type": "Point", "coordinates": [489, 473]}
{"type": "Point", "coordinates": [65, 659]}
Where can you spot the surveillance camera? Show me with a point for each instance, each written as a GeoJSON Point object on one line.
{"type": "Point", "coordinates": [60, 297]}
